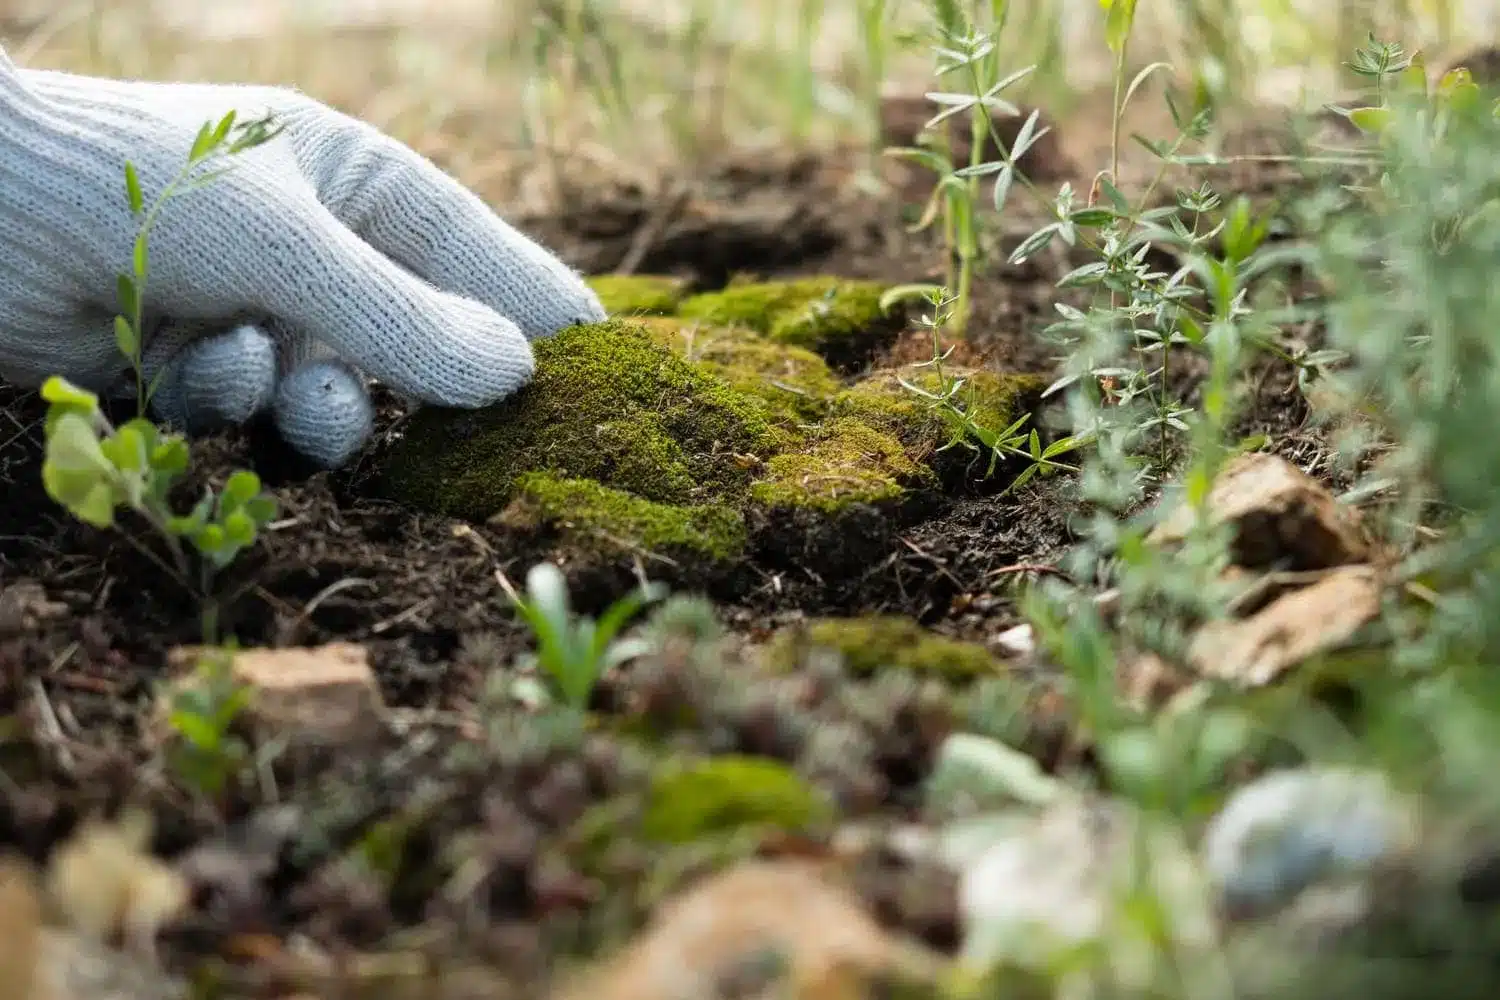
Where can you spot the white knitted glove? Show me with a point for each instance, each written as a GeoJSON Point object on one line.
{"type": "Point", "coordinates": [327, 255]}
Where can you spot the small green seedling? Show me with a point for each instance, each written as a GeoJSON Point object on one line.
{"type": "Point", "coordinates": [95, 470]}
{"type": "Point", "coordinates": [207, 754]}
{"type": "Point", "coordinates": [214, 142]}
{"type": "Point", "coordinates": [950, 403]}
{"type": "Point", "coordinates": [1401, 84]}
{"type": "Point", "coordinates": [969, 53]}
{"type": "Point", "coordinates": [572, 650]}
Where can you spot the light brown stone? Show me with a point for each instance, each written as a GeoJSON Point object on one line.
{"type": "Point", "coordinates": [784, 912]}
{"type": "Point", "coordinates": [1315, 619]}
{"type": "Point", "coordinates": [1283, 518]}
{"type": "Point", "coordinates": [305, 696]}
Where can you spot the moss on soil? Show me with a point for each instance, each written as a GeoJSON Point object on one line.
{"type": "Point", "coordinates": [727, 794]}
{"type": "Point", "coordinates": [591, 516]}
{"type": "Point", "coordinates": [795, 383]}
{"type": "Point", "coordinates": [609, 404]}
{"type": "Point", "coordinates": [838, 319]}
{"type": "Point", "coordinates": [666, 431]}
{"type": "Point", "coordinates": [992, 399]}
{"type": "Point", "coordinates": [638, 295]}
{"type": "Point", "coordinates": [875, 643]}
{"type": "Point", "coordinates": [843, 462]}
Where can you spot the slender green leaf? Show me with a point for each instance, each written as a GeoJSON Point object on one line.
{"type": "Point", "coordinates": [133, 189]}
{"type": "Point", "coordinates": [125, 338]}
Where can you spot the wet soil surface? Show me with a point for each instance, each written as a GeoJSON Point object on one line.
{"type": "Point", "coordinates": [80, 657]}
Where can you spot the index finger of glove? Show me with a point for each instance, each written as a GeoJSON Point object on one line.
{"type": "Point", "coordinates": [410, 210]}
{"type": "Point", "coordinates": [286, 256]}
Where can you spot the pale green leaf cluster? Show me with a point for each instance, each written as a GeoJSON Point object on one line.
{"type": "Point", "coordinates": [573, 651]}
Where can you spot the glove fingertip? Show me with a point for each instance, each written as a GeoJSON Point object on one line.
{"type": "Point", "coordinates": [218, 381]}
{"type": "Point", "coordinates": [324, 412]}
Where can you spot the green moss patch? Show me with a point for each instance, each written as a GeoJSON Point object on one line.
{"type": "Point", "coordinates": [991, 399]}
{"type": "Point", "coordinates": [794, 382]}
{"type": "Point", "coordinates": [843, 462]}
{"type": "Point", "coordinates": [840, 320]}
{"type": "Point", "coordinates": [875, 643]}
{"type": "Point", "coordinates": [638, 295]}
{"type": "Point", "coordinates": [592, 516]}
{"type": "Point", "coordinates": [730, 794]}
{"type": "Point", "coordinates": [609, 404]}
{"type": "Point", "coordinates": [715, 418]}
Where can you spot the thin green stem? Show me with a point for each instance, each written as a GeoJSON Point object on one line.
{"type": "Point", "coordinates": [1117, 113]}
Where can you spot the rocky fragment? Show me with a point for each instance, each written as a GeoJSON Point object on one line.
{"type": "Point", "coordinates": [1283, 519]}
{"type": "Point", "coordinates": [24, 606]}
{"type": "Point", "coordinates": [109, 888]}
{"type": "Point", "coordinates": [735, 934]}
{"type": "Point", "coordinates": [1038, 884]}
{"type": "Point", "coordinates": [1305, 571]}
{"type": "Point", "coordinates": [1302, 623]}
{"type": "Point", "coordinates": [1291, 830]}
{"type": "Point", "coordinates": [321, 696]}
{"type": "Point", "coordinates": [21, 931]}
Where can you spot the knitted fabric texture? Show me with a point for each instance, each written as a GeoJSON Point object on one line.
{"type": "Point", "coordinates": [333, 247]}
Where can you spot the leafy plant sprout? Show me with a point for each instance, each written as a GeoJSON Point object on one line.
{"type": "Point", "coordinates": [94, 469]}
{"type": "Point", "coordinates": [960, 48]}
{"type": "Point", "coordinates": [1160, 312]}
{"type": "Point", "coordinates": [1015, 441]}
{"type": "Point", "coordinates": [207, 753]}
{"type": "Point", "coordinates": [573, 651]}
{"type": "Point", "coordinates": [214, 142]}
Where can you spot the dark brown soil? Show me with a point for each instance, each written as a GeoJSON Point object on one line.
{"type": "Point", "coordinates": [80, 668]}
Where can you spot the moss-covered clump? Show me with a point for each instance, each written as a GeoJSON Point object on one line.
{"type": "Point", "coordinates": [794, 382]}
{"type": "Point", "coordinates": [595, 517]}
{"type": "Point", "coordinates": [638, 295]}
{"type": "Point", "coordinates": [609, 404]}
{"type": "Point", "coordinates": [875, 643]}
{"type": "Point", "coordinates": [713, 418]}
{"type": "Point", "coordinates": [991, 399]}
{"type": "Point", "coordinates": [728, 794]}
{"type": "Point", "coordinates": [841, 320]}
{"type": "Point", "coordinates": [843, 462]}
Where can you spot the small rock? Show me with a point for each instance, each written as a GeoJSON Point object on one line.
{"type": "Point", "coordinates": [1019, 641]}
{"type": "Point", "coordinates": [1315, 619]}
{"type": "Point", "coordinates": [1292, 830]}
{"type": "Point", "coordinates": [24, 606]}
{"type": "Point", "coordinates": [309, 697]}
{"type": "Point", "coordinates": [737, 926]}
{"type": "Point", "coordinates": [1283, 518]}
{"type": "Point", "coordinates": [971, 768]}
{"type": "Point", "coordinates": [21, 931]}
{"type": "Point", "coordinates": [108, 888]}
{"type": "Point", "coordinates": [1037, 884]}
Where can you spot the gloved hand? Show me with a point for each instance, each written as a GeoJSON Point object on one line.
{"type": "Point", "coordinates": [331, 254]}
